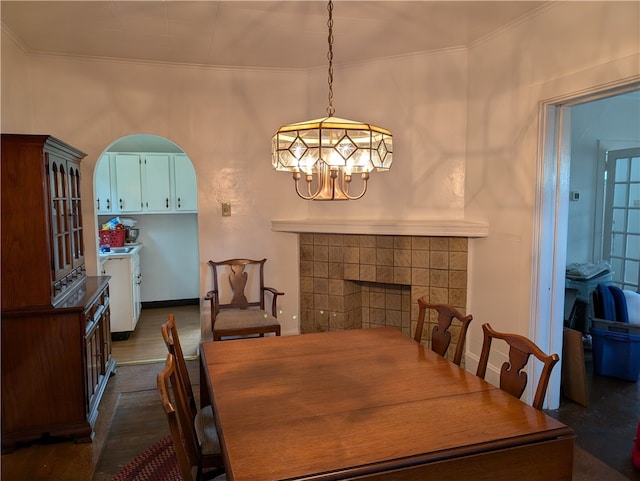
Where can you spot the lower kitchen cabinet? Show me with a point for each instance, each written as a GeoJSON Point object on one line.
{"type": "Point", "coordinates": [56, 362]}
{"type": "Point", "coordinates": [124, 271]}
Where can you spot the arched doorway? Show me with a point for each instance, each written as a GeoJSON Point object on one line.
{"type": "Point", "coordinates": [149, 181]}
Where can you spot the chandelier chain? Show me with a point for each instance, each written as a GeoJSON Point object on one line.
{"type": "Point", "coordinates": [330, 109]}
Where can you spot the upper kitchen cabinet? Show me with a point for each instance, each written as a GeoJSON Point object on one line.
{"type": "Point", "coordinates": [145, 183]}
{"type": "Point", "coordinates": [104, 196]}
{"type": "Point", "coordinates": [128, 180]}
{"type": "Point", "coordinates": [156, 183]}
{"type": "Point", "coordinates": [185, 184]}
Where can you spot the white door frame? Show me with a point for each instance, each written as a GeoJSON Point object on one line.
{"type": "Point", "coordinates": [550, 222]}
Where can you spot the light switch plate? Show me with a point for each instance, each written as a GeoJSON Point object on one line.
{"type": "Point", "coordinates": [226, 209]}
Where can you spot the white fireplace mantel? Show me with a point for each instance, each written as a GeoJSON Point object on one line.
{"type": "Point", "coordinates": [433, 228]}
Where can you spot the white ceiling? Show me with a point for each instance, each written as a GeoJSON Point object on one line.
{"type": "Point", "coordinates": [270, 34]}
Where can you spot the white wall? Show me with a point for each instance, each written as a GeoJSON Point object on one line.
{"type": "Point", "coordinates": [569, 47]}
{"type": "Point", "coordinates": [222, 118]}
{"type": "Point", "coordinates": [465, 127]}
{"type": "Point", "coordinates": [169, 260]}
{"type": "Point", "coordinates": [15, 83]}
{"type": "Point", "coordinates": [421, 99]}
{"type": "Point", "coordinates": [615, 123]}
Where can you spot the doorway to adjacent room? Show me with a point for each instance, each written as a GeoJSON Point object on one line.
{"type": "Point", "coordinates": [553, 216]}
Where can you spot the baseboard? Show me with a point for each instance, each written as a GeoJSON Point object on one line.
{"type": "Point", "coordinates": [171, 303]}
{"type": "Point", "coordinates": [120, 336]}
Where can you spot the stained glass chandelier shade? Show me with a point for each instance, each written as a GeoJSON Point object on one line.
{"type": "Point", "coordinates": [327, 152]}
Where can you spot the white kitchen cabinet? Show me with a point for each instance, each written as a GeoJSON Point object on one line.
{"type": "Point", "coordinates": [137, 283]}
{"type": "Point", "coordinates": [156, 183]}
{"type": "Point", "coordinates": [104, 199]}
{"type": "Point", "coordinates": [146, 183]}
{"type": "Point", "coordinates": [186, 198]}
{"type": "Point", "coordinates": [124, 286]}
{"type": "Point", "coordinates": [128, 178]}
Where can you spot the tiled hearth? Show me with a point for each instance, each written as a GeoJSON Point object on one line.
{"type": "Point", "coordinates": [350, 281]}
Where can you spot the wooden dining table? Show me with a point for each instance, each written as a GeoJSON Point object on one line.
{"type": "Point", "coordinates": [370, 404]}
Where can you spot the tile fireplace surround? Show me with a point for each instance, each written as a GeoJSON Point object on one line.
{"type": "Point", "coordinates": [350, 281]}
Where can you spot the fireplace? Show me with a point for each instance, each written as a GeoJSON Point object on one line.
{"type": "Point", "coordinates": [352, 281]}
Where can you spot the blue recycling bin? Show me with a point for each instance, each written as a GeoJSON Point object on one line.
{"type": "Point", "coordinates": [616, 354]}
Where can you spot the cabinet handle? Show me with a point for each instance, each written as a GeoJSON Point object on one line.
{"type": "Point", "coordinates": [121, 204]}
{"type": "Point", "coordinates": [108, 204]}
{"type": "Point", "coordinates": [178, 202]}
{"type": "Point", "coordinates": [98, 201]}
{"type": "Point", "coordinates": [167, 202]}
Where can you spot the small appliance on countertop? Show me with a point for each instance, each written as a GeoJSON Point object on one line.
{"type": "Point", "coordinates": [132, 235]}
{"type": "Point", "coordinates": [132, 232]}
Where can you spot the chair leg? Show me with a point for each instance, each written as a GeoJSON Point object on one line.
{"type": "Point", "coordinates": [204, 391]}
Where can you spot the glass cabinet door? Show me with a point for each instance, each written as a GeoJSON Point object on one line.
{"type": "Point", "coordinates": [75, 215]}
{"type": "Point", "coordinates": [66, 219]}
{"type": "Point", "coordinates": [60, 225]}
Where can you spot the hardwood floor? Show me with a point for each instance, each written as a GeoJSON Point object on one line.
{"type": "Point", "coordinates": [62, 459]}
{"type": "Point", "coordinates": [606, 427]}
{"type": "Point", "coordinates": [145, 344]}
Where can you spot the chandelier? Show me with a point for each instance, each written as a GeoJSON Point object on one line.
{"type": "Point", "coordinates": [329, 151]}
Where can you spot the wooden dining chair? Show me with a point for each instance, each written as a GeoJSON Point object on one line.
{"type": "Point", "coordinates": [440, 335]}
{"type": "Point", "coordinates": [202, 420]}
{"type": "Point", "coordinates": [512, 377]}
{"type": "Point", "coordinates": [238, 306]}
{"type": "Point", "coordinates": [176, 408]}
{"type": "Point", "coordinates": [171, 339]}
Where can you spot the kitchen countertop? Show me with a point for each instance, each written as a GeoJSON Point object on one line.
{"type": "Point", "coordinates": [117, 252]}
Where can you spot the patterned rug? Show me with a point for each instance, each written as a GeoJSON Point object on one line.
{"type": "Point", "coordinates": [158, 463]}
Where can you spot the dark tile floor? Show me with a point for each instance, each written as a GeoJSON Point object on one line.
{"type": "Point", "coordinates": [606, 428]}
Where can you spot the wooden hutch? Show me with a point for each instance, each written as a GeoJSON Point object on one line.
{"type": "Point", "coordinates": [56, 343]}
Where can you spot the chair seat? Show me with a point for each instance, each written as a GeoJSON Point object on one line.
{"type": "Point", "coordinates": [233, 320]}
{"type": "Point", "coordinates": [206, 431]}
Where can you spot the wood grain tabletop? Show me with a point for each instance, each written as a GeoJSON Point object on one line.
{"type": "Point", "coordinates": [347, 403]}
